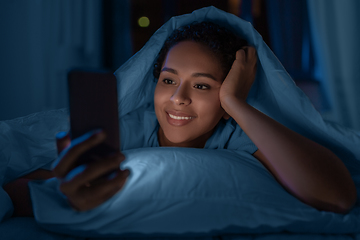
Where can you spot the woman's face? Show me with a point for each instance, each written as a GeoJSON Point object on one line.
{"type": "Point", "coordinates": [187, 103]}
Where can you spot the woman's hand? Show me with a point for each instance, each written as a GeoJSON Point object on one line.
{"type": "Point", "coordinates": [241, 76]}
{"type": "Point", "coordinates": [91, 185]}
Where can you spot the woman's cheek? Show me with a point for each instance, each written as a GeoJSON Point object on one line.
{"type": "Point", "coordinates": [211, 99]}
{"type": "Point", "coordinates": [211, 105]}
{"type": "Point", "coordinates": [161, 94]}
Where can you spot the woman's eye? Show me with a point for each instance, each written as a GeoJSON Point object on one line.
{"type": "Point", "coordinates": [201, 86]}
{"type": "Point", "coordinates": [168, 81]}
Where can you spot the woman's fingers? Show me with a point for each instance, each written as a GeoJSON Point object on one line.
{"type": "Point", "coordinates": [67, 159]}
{"type": "Point", "coordinates": [94, 171]}
{"type": "Point", "coordinates": [241, 56]}
{"type": "Point", "coordinates": [241, 76]}
{"type": "Point", "coordinates": [251, 55]}
{"type": "Point", "coordinates": [62, 141]}
{"type": "Point", "coordinates": [90, 197]}
{"type": "Point", "coordinates": [105, 191]}
{"type": "Point", "coordinates": [88, 185]}
{"type": "Point", "coordinates": [248, 58]}
{"type": "Point", "coordinates": [247, 55]}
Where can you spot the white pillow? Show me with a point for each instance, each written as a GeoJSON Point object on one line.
{"type": "Point", "coordinates": [186, 191]}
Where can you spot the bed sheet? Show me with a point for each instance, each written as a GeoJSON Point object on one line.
{"type": "Point", "coordinates": [27, 228]}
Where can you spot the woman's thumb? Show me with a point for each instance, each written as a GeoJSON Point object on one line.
{"type": "Point", "coordinates": [62, 141]}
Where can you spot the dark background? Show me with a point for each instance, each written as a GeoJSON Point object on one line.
{"type": "Point", "coordinates": [41, 40]}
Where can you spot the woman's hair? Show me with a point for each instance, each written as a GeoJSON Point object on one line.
{"type": "Point", "coordinates": [222, 42]}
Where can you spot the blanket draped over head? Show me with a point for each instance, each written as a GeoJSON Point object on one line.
{"type": "Point", "coordinates": [273, 93]}
{"type": "Point", "coordinates": [206, 202]}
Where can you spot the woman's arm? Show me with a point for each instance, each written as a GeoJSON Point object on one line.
{"type": "Point", "coordinates": [39, 174]}
{"type": "Point", "coordinates": [308, 170]}
{"type": "Point", "coordinates": [19, 194]}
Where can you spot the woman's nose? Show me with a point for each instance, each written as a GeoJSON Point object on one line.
{"type": "Point", "coordinates": [180, 96]}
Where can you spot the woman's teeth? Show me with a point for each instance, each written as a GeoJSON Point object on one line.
{"type": "Point", "coordinates": [180, 118]}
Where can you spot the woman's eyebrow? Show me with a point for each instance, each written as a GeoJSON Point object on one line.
{"type": "Point", "coordinates": [207, 75]}
{"type": "Point", "coordinates": [165, 69]}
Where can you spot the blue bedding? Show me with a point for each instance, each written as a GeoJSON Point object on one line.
{"type": "Point", "coordinates": [27, 228]}
{"type": "Point", "coordinates": [183, 192]}
{"type": "Point", "coordinates": [190, 192]}
{"type": "Point", "coordinates": [171, 192]}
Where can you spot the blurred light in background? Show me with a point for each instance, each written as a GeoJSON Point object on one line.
{"type": "Point", "coordinates": [144, 22]}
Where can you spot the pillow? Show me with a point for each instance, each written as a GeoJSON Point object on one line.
{"type": "Point", "coordinates": [26, 144]}
{"type": "Point", "coordinates": [192, 192]}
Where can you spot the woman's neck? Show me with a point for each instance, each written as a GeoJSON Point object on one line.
{"type": "Point", "coordinates": [195, 143]}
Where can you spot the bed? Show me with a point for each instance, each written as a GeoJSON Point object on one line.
{"type": "Point", "coordinates": [171, 193]}
{"type": "Point", "coordinates": [182, 193]}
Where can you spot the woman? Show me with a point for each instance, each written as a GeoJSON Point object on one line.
{"type": "Point", "coordinates": [204, 77]}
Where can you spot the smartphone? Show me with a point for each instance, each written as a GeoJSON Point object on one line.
{"type": "Point", "coordinates": [93, 104]}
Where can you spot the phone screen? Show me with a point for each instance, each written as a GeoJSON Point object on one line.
{"type": "Point", "coordinates": [93, 105]}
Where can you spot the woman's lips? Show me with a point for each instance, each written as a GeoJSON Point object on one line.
{"type": "Point", "coordinates": [178, 119]}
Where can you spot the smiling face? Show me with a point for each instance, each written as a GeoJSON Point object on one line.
{"type": "Point", "coordinates": [186, 99]}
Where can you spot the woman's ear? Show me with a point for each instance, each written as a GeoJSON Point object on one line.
{"type": "Point", "coordinates": [226, 116]}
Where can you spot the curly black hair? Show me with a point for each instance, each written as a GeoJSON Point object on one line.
{"type": "Point", "coordinates": [222, 42]}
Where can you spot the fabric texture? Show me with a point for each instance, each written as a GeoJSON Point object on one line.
{"type": "Point", "coordinates": [191, 192]}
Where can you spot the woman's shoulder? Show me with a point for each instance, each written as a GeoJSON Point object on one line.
{"type": "Point", "coordinates": [229, 135]}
